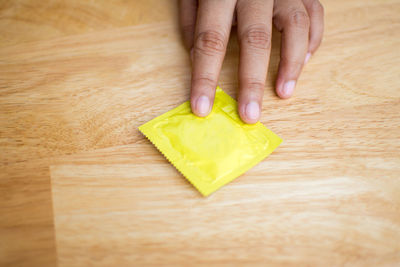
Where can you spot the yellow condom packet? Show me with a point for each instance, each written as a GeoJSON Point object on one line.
{"type": "Point", "coordinates": [211, 151]}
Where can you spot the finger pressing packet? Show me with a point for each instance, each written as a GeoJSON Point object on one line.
{"type": "Point", "coordinates": [214, 150]}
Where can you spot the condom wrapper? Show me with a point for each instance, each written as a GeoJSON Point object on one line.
{"type": "Point", "coordinates": [210, 151]}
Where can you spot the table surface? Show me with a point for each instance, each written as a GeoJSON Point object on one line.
{"type": "Point", "coordinates": [79, 185]}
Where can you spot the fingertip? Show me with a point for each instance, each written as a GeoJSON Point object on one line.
{"type": "Point", "coordinates": [286, 89]}
{"type": "Point", "coordinates": [250, 112]}
{"type": "Point", "coordinates": [201, 106]}
{"type": "Point", "coordinates": [308, 56]}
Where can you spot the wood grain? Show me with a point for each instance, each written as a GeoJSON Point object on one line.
{"type": "Point", "coordinates": [24, 21]}
{"type": "Point", "coordinates": [78, 76]}
{"type": "Point", "coordinates": [128, 206]}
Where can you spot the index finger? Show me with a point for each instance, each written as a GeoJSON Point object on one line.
{"type": "Point", "coordinates": [254, 31]}
{"type": "Point", "coordinates": [214, 19]}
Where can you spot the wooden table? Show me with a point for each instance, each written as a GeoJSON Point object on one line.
{"type": "Point", "coordinates": [79, 185]}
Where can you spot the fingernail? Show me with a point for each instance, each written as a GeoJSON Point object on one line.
{"type": "Point", "coordinates": [252, 110]}
{"type": "Point", "coordinates": [288, 88]}
{"type": "Point", "coordinates": [203, 105]}
{"type": "Point", "coordinates": [308, 56]}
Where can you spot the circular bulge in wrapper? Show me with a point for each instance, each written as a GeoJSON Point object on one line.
{"type": "Point", "coordinates": [213, 150]}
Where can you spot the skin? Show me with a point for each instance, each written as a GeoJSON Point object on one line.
{"type": "Point", "coordinates": [206, 26]}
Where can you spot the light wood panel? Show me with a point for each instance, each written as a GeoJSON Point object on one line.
{"type": "Point", "coordinates": [26, 220]}
{"type": "Point", "coordinates": [68, 88]}
{"type": "Point", "coordinates": [29, 121]}
{"type": "Point", "coordinates": [32, 20]}
{"type": "Point", "coordinates": [128, 206]}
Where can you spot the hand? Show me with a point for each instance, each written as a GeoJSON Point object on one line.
{"type": "Point", "coordinates": [206, 26]}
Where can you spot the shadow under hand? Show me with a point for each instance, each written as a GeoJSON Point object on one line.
{"type": "Point", "coordinates": [273, 61]}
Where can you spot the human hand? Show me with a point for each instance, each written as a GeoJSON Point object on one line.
{"type": "Point", "coordinates": [206, 26]}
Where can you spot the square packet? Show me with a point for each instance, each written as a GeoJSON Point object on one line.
{"type": "Point", "coordinates": [214, 150]}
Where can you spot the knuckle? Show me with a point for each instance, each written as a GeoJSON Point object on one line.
{"type": "Point", "coordinates": [254, 85]}
{"type": "Point", "coordinates": [257, 37]}
{"type": "Point", "coordinates": [205, 79]}
{"type": "Point", "coordinates": [292, 62]}
{"type": "Point", "coordinates": [210, 43]}
{"type": "Point", "coordinates": [299, 19]}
